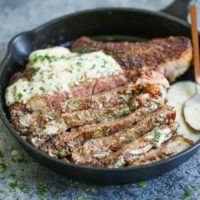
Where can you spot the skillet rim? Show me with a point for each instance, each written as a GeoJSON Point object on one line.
{"type": "Point", "coordinates": [69, 164]}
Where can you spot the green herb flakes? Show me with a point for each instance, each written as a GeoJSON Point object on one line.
{"type": "Point", "coordinates": [156, 136]}
{"type": "Point", "coordinates": [61, 152]}
{"type": "Point", "coordinates": [142, 185]}
{"type": "Point", "coordinates": [3, 168]}
{"type": "Point", "coordinates": [20, 95]}
{"type": "Point", "coordinates": [41, 88]}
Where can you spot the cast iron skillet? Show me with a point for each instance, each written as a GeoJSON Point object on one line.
{"type": "Point", "coordinates": [133, 23]}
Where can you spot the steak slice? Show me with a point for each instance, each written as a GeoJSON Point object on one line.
{"type": "Point", "coordinates": [130, 152]}
{"type": "Point", "coordinates": [170, 56]}
{"type": "Point", "coordinates": [69, 142]}
{"type": "Point", "coordinates": [174, 146]}
{"type": "Point", "coordinates": [95, 150]}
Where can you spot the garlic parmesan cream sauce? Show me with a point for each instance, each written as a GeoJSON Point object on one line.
{"type": "Point", "coordinates": [59, 70]}
{"type": "Point", "coordinates": [177, 95]}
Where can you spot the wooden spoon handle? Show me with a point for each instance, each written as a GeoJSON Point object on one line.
{"type": "Point", "coordinates": [195, 42]}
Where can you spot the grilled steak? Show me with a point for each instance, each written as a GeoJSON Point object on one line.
{"type": "Point", "coordinates": [69, 142]}
{"type": "Point", "coordinates": [170, 56]}
{"type": "Point", "coordinates": [97, 149]}
{"type": "Point", "coordinates": [130, 152]}
{"type": "Point", "coordinates": [172, 147]}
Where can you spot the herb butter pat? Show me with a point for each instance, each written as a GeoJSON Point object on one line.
{"type": "Point", "coordinates": [59, 70]}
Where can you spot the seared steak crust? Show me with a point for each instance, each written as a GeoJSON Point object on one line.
{"type": "Point", "coordinates": [171, 56]}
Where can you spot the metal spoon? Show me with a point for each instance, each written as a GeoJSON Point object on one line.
{"type": "Point", "coordinates": [191, 109]}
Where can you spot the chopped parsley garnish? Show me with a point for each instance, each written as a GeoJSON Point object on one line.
{"type": "Point", "coordinates": [107, 132]}
{"type": "Point", "coordinates": [156, 136]}
{"type": "Point", "coordinates": [116, 56]}
{"type": "Point", "coordinates": [93, 189]}
{"type": "Point", "coordinates": [142, 185]}
{"type": "Point", "coordinates": [104, 62]}
{"type": "Point", "coordinates": [69, 70]}
{"type": "Point", "coordinates": [93, 66]}
{"type": "Point", "coordinates": [123, 112]}
{"type": "Point", "coordinates": [81, 78]}
{"type": "Point", "coordinates": [36, 69]}
{"type": "Point", "coordinates": [61, 152]}
{"type": "Point", "coordinates": [79, 102]}
{"type": "Point", "coordinates": [78, 64]}
{"type": "Point", "coordinates": [15, 88]}
{"type": "Point", "coordinates": [110, 118]}
{"type": "Point", "coordinates": [20, 95]}
{"type": "Point", "coordinates": [41, 88]}
{"type": "Point", "coordinates": [50, 77]}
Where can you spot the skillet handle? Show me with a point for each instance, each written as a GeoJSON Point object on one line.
{"type": "Point", "coordinates": [179, 8]}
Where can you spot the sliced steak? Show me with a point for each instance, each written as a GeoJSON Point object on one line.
{"type": "Point", "coordinates": [170, 56]}
{"type": "Point", "coordinates": [140, 146]}
{"type": "Point", "coordinates": [96, 150]}
{"type": "Point", "coordinates": [174, 146]}
{"type": "Point", "coordinates": [69, 142]}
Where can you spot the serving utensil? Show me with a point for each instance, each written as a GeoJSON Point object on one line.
{"type": "Point", "coordinates": [191, 107]}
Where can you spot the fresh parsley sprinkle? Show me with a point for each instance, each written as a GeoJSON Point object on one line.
{"type": "Point", "coordinates": [78, 64]}
{"type": "Point", "coordinates": [156, 136]}
{"type": "Point", "coordinates": [69, 70]}
{"type": "Point", "coordinates": [81, 78]}
{"type": "Point", "coordinates": [142, 185]}
{"type": "Point", "coordinates": [50, 77]}
{"type": "Point", "coordinates": [93, 190]}
{"type": "Point", "coordinates": [20, 95]}
{"type": "Point", "coordinates": [61, 152]}
{"type": "Point", "coordinates": [187, 193]}
{"type": "Point", "coordinates": [2, 167]}
{"type": "Point", "coordinates": [79, 102]}
{"type": "Point", "coordinates": [93, 66]}
{"type": "Point", "coordinates": [123, 112]}
{"type": "Point", "coordinates": [41, 88]}
{"type": "Point", "coordinates": [15, 88]}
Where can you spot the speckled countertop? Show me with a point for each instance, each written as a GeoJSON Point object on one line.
{"type": "Point", "coordinates": [21, 178]}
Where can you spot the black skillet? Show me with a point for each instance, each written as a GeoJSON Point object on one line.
{"type": "Point", "coordinates": [131, 24]}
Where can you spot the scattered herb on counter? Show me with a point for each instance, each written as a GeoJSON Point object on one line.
{"type": "Point", "coordinates": [1, 154]}
{"type": "Point", "coordinates": [41, 190]}
{"type": "Point", "coordinates": [187, 193]}
{"type": "Point", "coordinates": [142, 185]}
{"type": "Point", "coordinates": [24, 160]}
{"type": "Point", "coordinates": [3, 168]}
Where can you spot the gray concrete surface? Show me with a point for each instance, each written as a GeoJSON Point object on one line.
{"type": "Point", "coordinates": [21, 178]}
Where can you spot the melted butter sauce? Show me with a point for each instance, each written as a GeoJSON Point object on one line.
{"type": "Point", "coordinates": [177, 95]}
{"type": "Point", "coordinates": [57, 70]}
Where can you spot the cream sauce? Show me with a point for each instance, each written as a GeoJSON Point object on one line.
{"type": "Point", "coordinates": [58, 70]}
{"type": "Point", "coordinates": [177, 95]}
